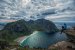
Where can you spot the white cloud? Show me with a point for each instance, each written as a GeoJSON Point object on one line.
{"type": "Point", "coordinates": [28, 9]}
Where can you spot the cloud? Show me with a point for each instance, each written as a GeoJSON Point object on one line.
{"type": "Point", "coordinates": [48, 12]}
{"type": "Point", "coordinates": [62, 17]}
{"type": "Point", "coordinates": [6, 20]}
{"type": "Point", "coordinates": [35, 9]}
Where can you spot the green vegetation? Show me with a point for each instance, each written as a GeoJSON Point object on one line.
{"type": "Point", "coordinates": [20, 28]}
{"type": "Point", "coordinates": [3, 44]}
{"type": "Point", "coordinates": [9, 35]}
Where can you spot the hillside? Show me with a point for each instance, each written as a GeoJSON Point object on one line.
{"type": "Point", "coordinates": [42, 25]}
{"type": "Point", "coordinates": [23, 28]}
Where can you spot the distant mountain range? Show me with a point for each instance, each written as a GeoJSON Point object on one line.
{"type": "Point", "coordinates": [2, 25]}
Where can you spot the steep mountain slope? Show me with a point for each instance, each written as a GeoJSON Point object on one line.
{"type": "Point", "coordinates": [22, 28]}
{"type": "Point", "coordinates": [42, 25]}
{"type": "Point", "coordinates": [18, 26]}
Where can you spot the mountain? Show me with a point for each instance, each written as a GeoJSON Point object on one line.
{"type": "Point", "coordinates": [31, 25]}
{"type": "Point", "coordinates": [18, 26]}
{"type": "Point", "coordinates": [13, 30]}
{"type": "Point", "coordinates": [42, 25]}
{"type": "Point", "coordinates": [22, 28]}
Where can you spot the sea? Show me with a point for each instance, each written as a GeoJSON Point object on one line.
{"type": "Point", "coordinates": [40, 39]}
{"type": "Point", "coordinates": [43, 40]}
{"type": "Point", "coordinates": [69, 24]}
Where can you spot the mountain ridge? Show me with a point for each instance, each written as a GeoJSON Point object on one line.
{"type": "Point", "coordinates": [23, 28]}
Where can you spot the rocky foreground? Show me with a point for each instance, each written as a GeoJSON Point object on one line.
{"type": "Point", "coordinates": [70, 32]}
{"type": "Point", "coordinates": [66, 45]}
{"type": "Point", "coordinates": [63, 45]}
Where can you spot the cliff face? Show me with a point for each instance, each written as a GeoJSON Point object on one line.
{"type": "Point", "coordinates": [31, 26]}
{"type": "Point", "coordinates": [22, 27]}
{"type": "Point", "coordinates": [18, 26]}
{"type": "Point", "coordinates": [42, 25]}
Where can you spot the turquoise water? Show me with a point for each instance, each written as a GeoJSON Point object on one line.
{"type": "Point", "coordinates": [42, 40]}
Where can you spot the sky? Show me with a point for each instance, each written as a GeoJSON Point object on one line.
{"type": "Point", "coordinates": [54, 10]}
